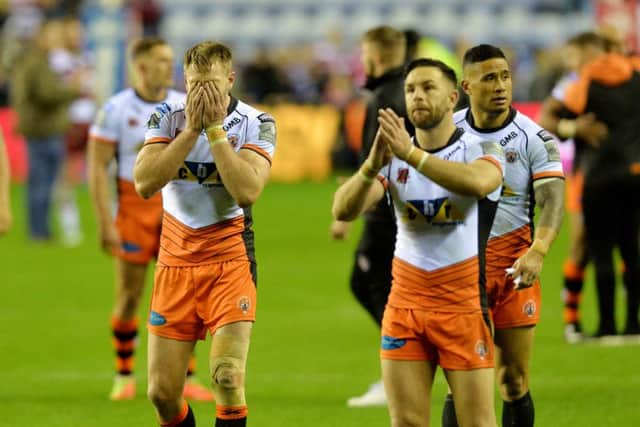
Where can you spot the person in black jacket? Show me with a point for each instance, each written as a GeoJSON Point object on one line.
{"type": "Point", "coordinates": [609, 88]}
{"type": "Point", "coordinates": [383, 57]}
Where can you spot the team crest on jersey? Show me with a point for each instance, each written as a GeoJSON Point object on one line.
{"type": "Point", "coordinates": [481, 349]}
{"type": "Point", "coordinates": [202, 173]}
{"type": "Point", "coordinates": [244, 304]}
{"type": "Point", "coordinates": [438, 211]}
{"type": "Point", "coordinates": [529, 308]}
{"type": "Point", "coordinates": [233, 140]}
{"type": "Point", "coordinates": [511, 156]}
{"type": "Point", "coordinates": [403, 175]}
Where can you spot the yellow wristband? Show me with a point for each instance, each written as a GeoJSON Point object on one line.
{"type": "Point", "coordinates": [411, 150]}
{"type": "Point", "coordinates": [539, 246]}
{"type": "Point", "coordinates": [367, 173]}
{"type": "Point", "coordinates": [424, 158]}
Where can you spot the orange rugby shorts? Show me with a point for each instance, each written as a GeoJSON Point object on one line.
{"type": "Point", "coordinates": [188, 301]}
{"type": "Point", "coordinates": [509, 307]}
{"type": "Point", "coordinates": [455, 341]}
{"type": "Point", "coordinates": [139, 223]}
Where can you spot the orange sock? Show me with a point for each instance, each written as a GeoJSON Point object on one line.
{"type": "Point", "coordinates": [231, 416]}
{"type": "Point", "coordinates": [125, 333]}
{"type": "Point", "coordinates": [183, 419]}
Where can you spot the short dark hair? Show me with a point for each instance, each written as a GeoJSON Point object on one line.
{"type": "Point", "coordinates": [435, 63]}
{"type": "Point", "coordinates": [204, 54]}
{"type": "Point", "coordinates": [588, 38]}
{"type": "Point", "coordinates": [144, 45]}
{"type": "Point", "coordinates": [481, 53]}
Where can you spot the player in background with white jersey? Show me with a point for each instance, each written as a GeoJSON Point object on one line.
{"type": "Point", "coordinates": [133, 236]}
{"type": "Point", "coordinates": [211, 156]}
{"type": "Point", "coordinates": [445, 185]}
{"type": "Point", "coordinates": [533, 175]}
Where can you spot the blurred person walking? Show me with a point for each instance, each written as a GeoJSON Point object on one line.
{"type": "Point", "coordinates": [586, 133]}
{"type": "Point", "coordinates": [383, 57]}
{"type": "Point", "coordinates": [41, 100]}
{"type": "Point", "coordinates": [609, 88]}
{"type": "Point", "coordinates": [133, 236]}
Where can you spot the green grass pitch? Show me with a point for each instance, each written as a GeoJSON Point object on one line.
{"type": "Point", "coordinates": [313, 346]}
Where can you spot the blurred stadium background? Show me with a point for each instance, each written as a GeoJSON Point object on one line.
{"type": "Point", "coordinates": [313, 345]}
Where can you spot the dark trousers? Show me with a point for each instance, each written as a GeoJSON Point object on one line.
{"type": "Point", "coordinates": [371, 274]}
{"type": "Point", "coordinates": [612, 219]}
{"type": "Point", "coordinates": [45, 160]}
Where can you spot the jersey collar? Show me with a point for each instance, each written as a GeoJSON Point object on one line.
{"type": "Point", "coordinates": [455, 136]}
{"type": "Point", "coordinates": [510, 117]}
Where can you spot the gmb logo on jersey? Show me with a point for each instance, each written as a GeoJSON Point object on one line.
{"type": "Point", "coordinates": [436, 211]}
{"type": "Point", "coordinates": [202, 173]}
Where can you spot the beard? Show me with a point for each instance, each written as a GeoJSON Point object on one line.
{"type": "Point", "coordinates": [429, 121]}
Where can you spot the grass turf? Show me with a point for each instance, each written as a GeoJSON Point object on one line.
{"type": "Point", "coordinates": [313, 346]}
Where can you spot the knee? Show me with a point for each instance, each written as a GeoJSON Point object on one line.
{"type": "Point", "coordinates": [407, 420]}
{"type": "Point", "coordinates": [227, 373]}
{"type": "Point", "coordinates": [162, 395]}
{"type": "Point", "coordinates": [513, 380]}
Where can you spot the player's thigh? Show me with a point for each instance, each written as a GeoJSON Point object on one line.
{"type": "Point", "coordinates": [230, 346]}
{"type": "Point", "coordinates": [130, 276]}
{"type": "Point", "coordinates": [473, 396]}
{"type": "Point", "coordinates": [407, 384]}
{"type": "Point", "coordinates": [514, 345]}
{"type": "Point", "coordinates": [168, 360]}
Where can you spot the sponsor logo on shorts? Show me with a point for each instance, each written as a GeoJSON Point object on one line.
{"type": "Point", "coordinates": [244, 304]}
{"type": "Point", "coordinates": [481, 349]}
{"type": "Point", "coordinates": [529, 308]}
{"type": "Point", "coordinates": [391, 343]}
{"type": "Point", "coordinates": [130, 247]}
{"type": "Point", "coordinates": [156, 319]}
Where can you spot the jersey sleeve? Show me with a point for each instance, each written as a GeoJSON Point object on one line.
{"type": "Point", "coordinates": [489, 151]}
{"type": "Point", "coordinates": [261, 136]}
{"type": "Point", "coordinates": [159, 126]}
{"type": "Point", "coordinates": [105, 127]}
{"type": "Point", "coordinates": [544, 156]}
{"type": "Point", "coordinates": [492, 152]}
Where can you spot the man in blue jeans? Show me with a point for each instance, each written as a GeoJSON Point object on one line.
{"type": "Point", "coordinates": [41, 100]}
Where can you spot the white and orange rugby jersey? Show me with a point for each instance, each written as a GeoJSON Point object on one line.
{"type": "Point", "coordinates": [530, 153]}
{"type": "Point", "coordinates": [122, 120]}
{"type": "Point", "coordinates": [441, 234]}
{"type": "Point", "coordinates": [202, 222]}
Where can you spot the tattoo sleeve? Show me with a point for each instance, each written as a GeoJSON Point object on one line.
{"type": "Point", "coordinates": [549, 196]}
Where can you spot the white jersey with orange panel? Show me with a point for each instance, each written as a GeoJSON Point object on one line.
{"type": "Point", "coordinates": [440, 233]}
{"type": "Point", "coordinates": [122, 120]}
{"type": "Point", "coordinates": [531, 153]}
{"type": "Point", "coordinates": [202, 222]}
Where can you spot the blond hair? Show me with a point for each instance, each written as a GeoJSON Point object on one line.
{"type": "Point", "coordinates": [203, 55]}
